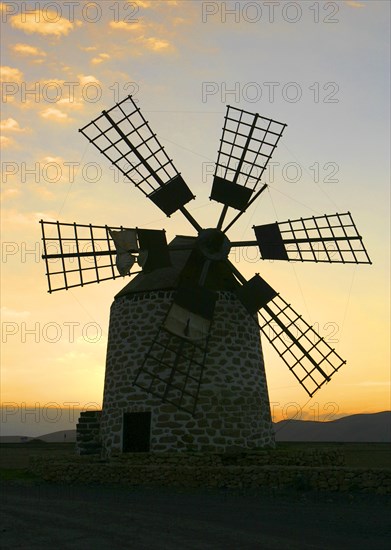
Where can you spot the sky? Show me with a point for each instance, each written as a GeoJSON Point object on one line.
{"type": "Point", "coordinates": [320, 67]}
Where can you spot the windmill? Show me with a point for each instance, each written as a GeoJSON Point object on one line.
{"type": "Point", "coordinates": [184, 362]}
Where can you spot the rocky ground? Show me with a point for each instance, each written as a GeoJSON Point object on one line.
{"type": "Point", "coordinates": [35, 515]}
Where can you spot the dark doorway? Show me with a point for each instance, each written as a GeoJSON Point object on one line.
{"type": "Point", "coordinates": [136, 432]}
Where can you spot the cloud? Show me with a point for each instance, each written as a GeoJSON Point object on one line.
{"type": "Point", "coordinates": [54, 98]}
{"type": "Point", "coordinates": [38, 60]}
{"type": "Point", "coordinates": [58, 166]}
{"type": "Point", "coordinates": [10, 193]}
{"type": "Point", "coordinates": [43, 193]}
{"type": "Point", "coordinates": [157, 44]}
{"type": "Point", "coordinates": [8, 313]}
{"type": "Point", "coordinates": [58, 160]}
{"type": "Point", "coordinates": [16, 221]}
{"type": "Point", "coordinates": [26, 50]}
{"type": "Point", "coordinates": [101, 57]}
{"type": "Point", "coordinates": [87, 79]}
{"type": "Point", "coordinates": [151, 44]}
{"type": "Point", "coordinates": [354, 4]}
{"type": "Point", "coordinates": [70, 103]}
{"type": "Point", "coordinates": [56, 171]}
{"type": "Point", "coordinates": [11, 125]}
{"type": "Point", "coordinates": [141, 36]}
{"type": "Point", "coordinates": [131, 26]}
{"type": "Point", "coordinates": [45, 22]}
{"type": "Point", "coordinates": [10, 74]}
{"type": "Point", "coordinates": [88, 48]}
{"type": "Point", "coordinates": [147, 4]}
{"type": "Point", "coordinates": [7, 142]}
{"type": "Point", "coordinates": [52, 113]}
{"type": "Point", "coordinates": [144, 3]}
{"type": "Point", "coordinates": [154, 35]}
{"type": "Point", "coordinates": [180, 21]}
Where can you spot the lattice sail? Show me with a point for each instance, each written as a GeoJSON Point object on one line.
{"type": "Point", "coordinates": [79, 254]}
{"type": "Point", "coordinates": [307, 355]}
{"type": "Point", "coordinates": [247, 144]}
{"type": "Point", "coordinates": [124, 136]}
{"type": "Point", "coordinates": [172, 370]}
{"type": "Point", "coordinates": [173, 366]}
{"type": "Point", "coordinates": [329, 238]}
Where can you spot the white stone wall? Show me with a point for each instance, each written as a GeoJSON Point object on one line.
{"type": "Point", "coordinates": [233, 407]}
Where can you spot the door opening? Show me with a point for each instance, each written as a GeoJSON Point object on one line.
{"type": "Point", "coordinates": [136, 432]}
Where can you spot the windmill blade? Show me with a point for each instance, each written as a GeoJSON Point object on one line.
{"type": "Point", "coordinates": [173, 366]}
{"type": "Point", "coordinates": [124, 136]}
{"type": "Point", "coordinates": [77, 254]}
{"type": "Point", "coordinates": [191, 314]}
{"type": "Point", "coordinates": [329, 238]}
{"type": "Point", "coordinates": [172, 371]}
{"type": "Point", "coordinates": [81, 254]}
{"type": "Point", "coordinates": [307, 355]}
{"type": "Point", "coordinates": [247, 144]}
{"type": "Point", "coordinates": [154, 243]}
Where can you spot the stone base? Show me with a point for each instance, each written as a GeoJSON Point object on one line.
{"type": "Point", "coordinates": [233, 411]}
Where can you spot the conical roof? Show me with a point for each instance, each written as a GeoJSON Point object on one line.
{"type": "Point", "coordinates": [164, 278]}
{"type": "Point", "coordinates": [219, 276]}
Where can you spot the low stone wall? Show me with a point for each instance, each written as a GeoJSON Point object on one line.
{"type": "Point", "coordinates": [269, 469]}
{"type": "Point", "coordinates": [264, 457]}
{"type": "Point", "coordinates": [88, 440]}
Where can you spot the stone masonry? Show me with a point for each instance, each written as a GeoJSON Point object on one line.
{"type": "Point", "coordinates": [88, 433]}
{"type": "Point", "coordinates": [233, 410]}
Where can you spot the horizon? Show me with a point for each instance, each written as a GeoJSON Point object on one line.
{"type": "Point", "coordinates": [36, 422]}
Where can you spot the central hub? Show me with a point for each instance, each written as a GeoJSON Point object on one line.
{"type": "Point", "coordinates": [213, 244]}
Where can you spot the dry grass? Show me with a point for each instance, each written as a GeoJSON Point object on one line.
{"type": "Point", "coordinates": [17, 455]}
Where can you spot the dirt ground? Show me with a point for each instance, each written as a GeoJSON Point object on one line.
{"type": "Point", "coordinates": [35, 516]}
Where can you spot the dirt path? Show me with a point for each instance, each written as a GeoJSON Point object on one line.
{"type": "Point", "coordinates": [78, 517]}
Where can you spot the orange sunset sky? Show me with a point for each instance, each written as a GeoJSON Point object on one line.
{"type": "Point", "coordinates": [323, 70]}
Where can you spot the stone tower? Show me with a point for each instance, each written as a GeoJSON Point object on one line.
{"type": "Point", "coordinates": [233, 410]}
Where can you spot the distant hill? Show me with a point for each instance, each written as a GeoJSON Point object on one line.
{"type": "Point", "coordinates": [63, 436]}
{"type": "Point", "coordinates": [358, 428]}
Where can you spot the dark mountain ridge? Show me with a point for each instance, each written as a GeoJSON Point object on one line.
{"type": "Point", "coordinates": [358, 428]}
